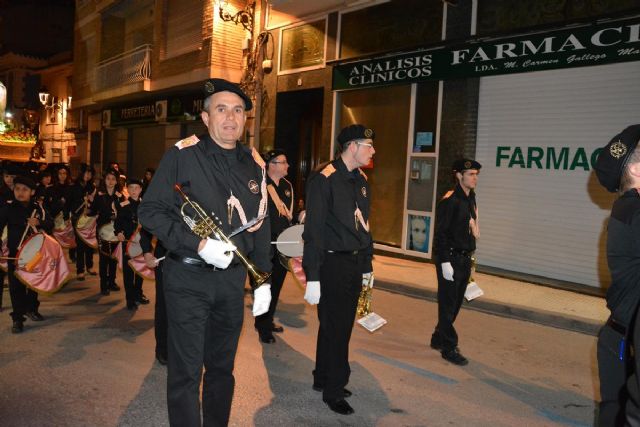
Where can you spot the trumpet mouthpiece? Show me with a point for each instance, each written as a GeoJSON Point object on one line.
{"type": "Point", "coordinates": [177, 188]}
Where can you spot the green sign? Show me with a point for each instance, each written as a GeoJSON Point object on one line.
{"type": "Point", "coordinates": [577, 47]}
{"type": "Point", "coordinates": [549, 158]}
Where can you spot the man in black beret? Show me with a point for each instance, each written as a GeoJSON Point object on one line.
{"type": "Point", "coordinates": [281, 216]}
{"type": "Point", "coordinates": [203, 277]}
{"type": "Point", "coordinates": [618, 170]}
{"type": "Point", "coordinates": [454, 243]}
{"type": "Point", "coordinates": [338, 250]}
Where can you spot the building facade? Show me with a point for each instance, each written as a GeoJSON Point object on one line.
{"type": "Point", "coordinates": [530, 89]}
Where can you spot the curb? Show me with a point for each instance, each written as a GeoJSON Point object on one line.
{"type": "Point", "coordinates": [500, 308]}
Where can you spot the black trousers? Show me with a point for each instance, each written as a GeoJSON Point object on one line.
{"type": "Point", "coordinates": [2, 274]}
{"type": "Point", "coordinates": [132, 281]}
{"type": "Point", "coordinates": [107, 265]}
{"type": "Point", "coordinates": [160, 318]}
{"type": "Point", "coordinates": [340, 286]}
{"type": "Point", "coordinates": [84, 256]}
{"type": "Point", "coordinates": [264, 322]}
{"type": "Point", "coordinates": [23, 299]}
{"type": "Point", "coordinates": [613, 369]}
{"type": "Point", "coordinates": [450, 296]}
{"type": "Point", "coordinates": [205, 310]}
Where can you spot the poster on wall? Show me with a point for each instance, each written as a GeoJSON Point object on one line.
{"type": "Point", "coordinates": [418, 233]}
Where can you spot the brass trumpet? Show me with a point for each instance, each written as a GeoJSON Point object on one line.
{"type": "Point", "coordinates": [204, 226]}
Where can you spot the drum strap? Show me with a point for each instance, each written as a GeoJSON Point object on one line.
{"type": "Point", "coordinates": [27, 229]}
{"type": "Point", "coordinates": [282, 208]}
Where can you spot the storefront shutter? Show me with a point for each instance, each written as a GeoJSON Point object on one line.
{"type": "Point", "coordinates": [550, 222]}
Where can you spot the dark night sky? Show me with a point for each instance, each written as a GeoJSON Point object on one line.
{"type": "Point", "coordinates": [36, 27]}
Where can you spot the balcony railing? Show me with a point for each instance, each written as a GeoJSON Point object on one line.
{"type": "Point", "coordinates": [126, 68]}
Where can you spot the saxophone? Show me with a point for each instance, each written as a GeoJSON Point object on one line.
{"type": "Point", "coordinates": [364, 301]}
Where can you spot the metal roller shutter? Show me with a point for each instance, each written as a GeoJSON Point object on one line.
{"type": "Point", "coordinates": [539, 215]}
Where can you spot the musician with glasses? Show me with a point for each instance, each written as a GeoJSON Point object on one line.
{"type": "Point", "coordinates": [280, 215]}
{"type": "Point", "coordinates": [22, 217]}
{"type": "Point", "coordinates": [203, 277]}
{"type": "Point", "coordinates": [338, 251]}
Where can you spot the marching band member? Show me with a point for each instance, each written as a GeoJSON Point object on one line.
{"type": "Point", "coordinates": [338, 250]}
{"type": "Point", "coordinates": [104, 205]}
{"type": "Point", "coordinates": [9, 172]}
{"type": "Point", "coordinates": [81, 195]}
{"type": "Point", "coordinates": [60, 192]}
{"type": "Point", "coordinates": [22, 217]}
{"type": "Point", "coordinates": [125, 226]}
{"type": "Point", "coordinates": [44, 189]}
{"type": "Point", "coordinates": [281, 215]}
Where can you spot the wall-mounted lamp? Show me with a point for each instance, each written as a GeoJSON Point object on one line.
{"type": "Point", "coordinates": [243, 17]}
{"type": "Point", "coordinates": [51, 102]}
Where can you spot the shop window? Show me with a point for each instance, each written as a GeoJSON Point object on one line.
{"type": "Point", "coordinates": [386, 110]}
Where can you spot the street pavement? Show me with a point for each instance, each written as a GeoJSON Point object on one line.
{"type": "Point", "coordinates": [91, 362]}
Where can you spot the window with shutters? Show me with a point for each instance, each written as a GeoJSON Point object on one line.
{"type": "Point", "coordinates": [182, 27]}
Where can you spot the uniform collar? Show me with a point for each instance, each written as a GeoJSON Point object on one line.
{"type": "Point", "coordinates": [342, 168]}
{"type": "Point", "coordinates": [460, 192]}
{"type": "Point", "coordinates": [211, 148]}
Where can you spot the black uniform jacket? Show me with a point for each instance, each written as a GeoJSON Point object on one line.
{"type": "Point", "coordinates": [103, 206]}
{"type": "Point", "coordinates": [6, 194]}
{"type": "Point", "coordinates": [623, 256]}
{"type": "Point", "coordinates": [14, 216]}
{"type": "Point", "coordinates": [332, 198]}
{"type": "Point", "coordinates": [60, 200]}
{"type": "Point", "coordinates": [208, 174]}
{"type": "Point", "coordinates": [279, 222]}
{"type": "Point", "coordinates": [452, 224]}
{"type": "Point", "coordinates": [126, 221]}
{"type": "Point", "coordinates": [77, 193]}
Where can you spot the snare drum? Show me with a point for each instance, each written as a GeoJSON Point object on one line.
{"type": "Point", "coordinates": [59, 223]}
{"type": "Point", "coordinates": [30, 254]}
{"type": "Point", "coordinates": [133, 248]}
{"type": "Point", "coordinates": [5, 250]}
{"type": "Point", "coordinates": [86, 230]}
{"type": "Point", "coordinates": [41, 264]}
{"type": "Point", "coordinates": [107, 233]}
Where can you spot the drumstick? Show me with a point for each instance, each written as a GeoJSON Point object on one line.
{"type": "Point", "coordinates": [159, 259]}
{"type": "Point", "coordinates": [8, 257]}
{"type": "Point", "coordinates": [291, 242]}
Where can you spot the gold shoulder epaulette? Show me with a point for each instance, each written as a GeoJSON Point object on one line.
{"type": "Point", "coordinates": [258, 159]}
{"type": "Point", "coordinates": [447, 194]}
{"type": "Point", "coordinates": [364, 175]}
{"type": "Point", "coordinates": [187, 142]}
{"type": "Point", "coordinates": [328, 170]}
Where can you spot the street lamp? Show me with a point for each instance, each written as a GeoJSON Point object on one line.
{"type": "Point", "coordinates": [243, 17]}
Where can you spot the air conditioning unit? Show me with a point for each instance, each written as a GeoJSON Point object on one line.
{"type": "Point", "coordinates": [161, 111]}
{"type": "Point", "coordinates": [106, 118]}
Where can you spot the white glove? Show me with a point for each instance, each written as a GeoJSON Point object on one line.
{"type": "Point", "coordinates": [312, 294]}
{"type": "Point", "coordinates": [261, 300]}
{"type": "Point", "coordinates": [367, 279]}
{"type": "Point", "coordinates": [217, 253]}
{"type": "Point", "coordinates": [447, 271]}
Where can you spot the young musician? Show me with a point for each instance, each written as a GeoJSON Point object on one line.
{"type": "Point", "coordinates": [6, 195]}
{"type": "Point", "coordinates": [22, 217]}
{"type": "Point", "coordinates": [81, 195]}
{"type": "Point", "coordinates": [104, 206]}
{"type": "Point", "coordinates": [44, 189]}
{"type": "Point", "coordinates": [126, 224]}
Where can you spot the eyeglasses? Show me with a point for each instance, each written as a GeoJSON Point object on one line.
{"type": "Point", "coordinates": [366, 144]}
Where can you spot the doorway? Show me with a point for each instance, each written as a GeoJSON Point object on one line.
{"type": "Point", "coordinates": [298, 132]}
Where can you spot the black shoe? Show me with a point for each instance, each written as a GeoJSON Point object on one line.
{"type": "Point", "coordinates": [454, 357]}
{"type": "Point", "coordinates": [18, 326]}
{"type": "Point", "coordinates": [132, 306]}
{"type": "Point", "coordinates": [91, 272]}
{"type": "Point", "coordinates": [345, 392]}
{"type": "Point", "coordinates": [105, 291]}
{"type": "Point", "coordinates": [142, 299]}
{"type": "Point", "coordinates": [114, 287]}
{"type": "Point", "coordinates": [267, 337]}
{"type": "Point", "coordinates": [277, 328]}
{"type": "Point", "coordinates": [436, 345]}
{"type": "Point", "coordinates": [35, 316]}
{"type": "Point", "coordinates": [340, 406]}
{"type": "Point", "coordinates": [161, 358]}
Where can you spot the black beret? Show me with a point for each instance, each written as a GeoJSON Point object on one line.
{"type": "Point", "coordinates": [12, 169]}
{"type": "Point", "coordinates": [134, 181]}
{"type": "Point", "coordinates": [614, 157]}
{"type": "Point", "coordinates": [25, 180]}
{"type": "Point", "coordinates": [212, 86]}
{"type": "Point", "coordinates": [355, 132]}
{"type": "Point", "coordinates": [462, 165]}
{"type": "Point", "coordinates": [272, 154]}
